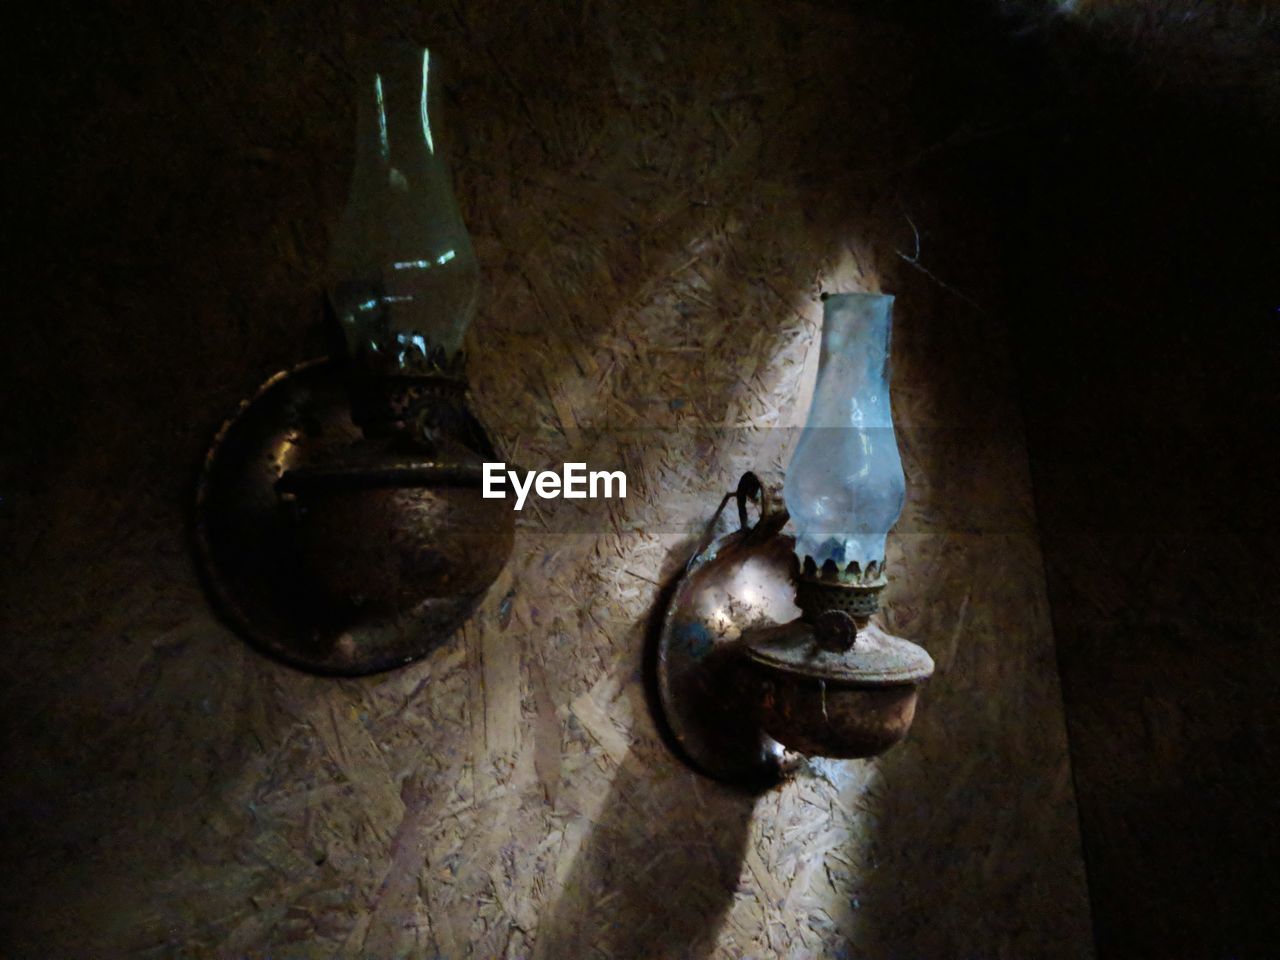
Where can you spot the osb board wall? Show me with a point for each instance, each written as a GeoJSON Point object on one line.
{"type": "Point", "coordinates": [657, 196]}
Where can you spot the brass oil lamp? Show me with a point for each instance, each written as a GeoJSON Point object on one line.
{"type": "Point", "coordinates": [770, 643]}
{"type": "Point", "coordinates": [339, 518]}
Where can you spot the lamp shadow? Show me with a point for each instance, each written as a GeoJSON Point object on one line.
{"type": "Point", "coordinates": [661, 865]}
{"type": "Point", "coordinates": [658, 871]}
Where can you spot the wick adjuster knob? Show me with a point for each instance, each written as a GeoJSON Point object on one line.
{"type": "Point", "coordinates": [835, 630]}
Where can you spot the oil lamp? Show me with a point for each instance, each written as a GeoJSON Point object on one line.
{"type": "Point", "coordinates": [828, 681]}
{"type": "Point", "coordinates": [403, 274]}
{"type": "Point", "coordinates": [339, 518]}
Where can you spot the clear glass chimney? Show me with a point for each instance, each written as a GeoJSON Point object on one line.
{"type": "Point", "coordinates": [403, 275]}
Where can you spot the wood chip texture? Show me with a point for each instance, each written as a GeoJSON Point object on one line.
{"type": "Point", "coordinates": [658, 193]}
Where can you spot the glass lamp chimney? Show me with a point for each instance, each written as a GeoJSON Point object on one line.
{"type": "Point", "coordinates": [403, 273]}
{"type": "Point", "coordinates": [844, 487]}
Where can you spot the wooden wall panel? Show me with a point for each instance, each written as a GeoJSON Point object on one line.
{"type": "Point", "coordinates": [658, 193]}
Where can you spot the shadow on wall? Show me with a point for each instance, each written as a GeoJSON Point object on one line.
{"type": "Point", "coordinates": [660, 866]}
{"type": "Point", "coordinates": [657, 873]}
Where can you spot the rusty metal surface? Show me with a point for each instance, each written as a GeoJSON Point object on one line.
{"type": "Point", "coordinates": [828, 690]}
{"type": "Point", "coordinates": [875, 658]}
{"type": "Point", "coordinates": [817, 718]}
{"type": "Point", "coordinates": [860, 599]}
{"type": "Point", "coordinates": [330, 553]}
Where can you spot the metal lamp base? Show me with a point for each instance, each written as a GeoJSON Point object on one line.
{"type": "Point", "coordinates": [707, 696]}
{"type": "Point", "coordinates": [377, 561]}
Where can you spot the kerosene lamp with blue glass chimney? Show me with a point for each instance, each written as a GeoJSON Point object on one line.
{"type": "Point", "coordinates": [743, 679]}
